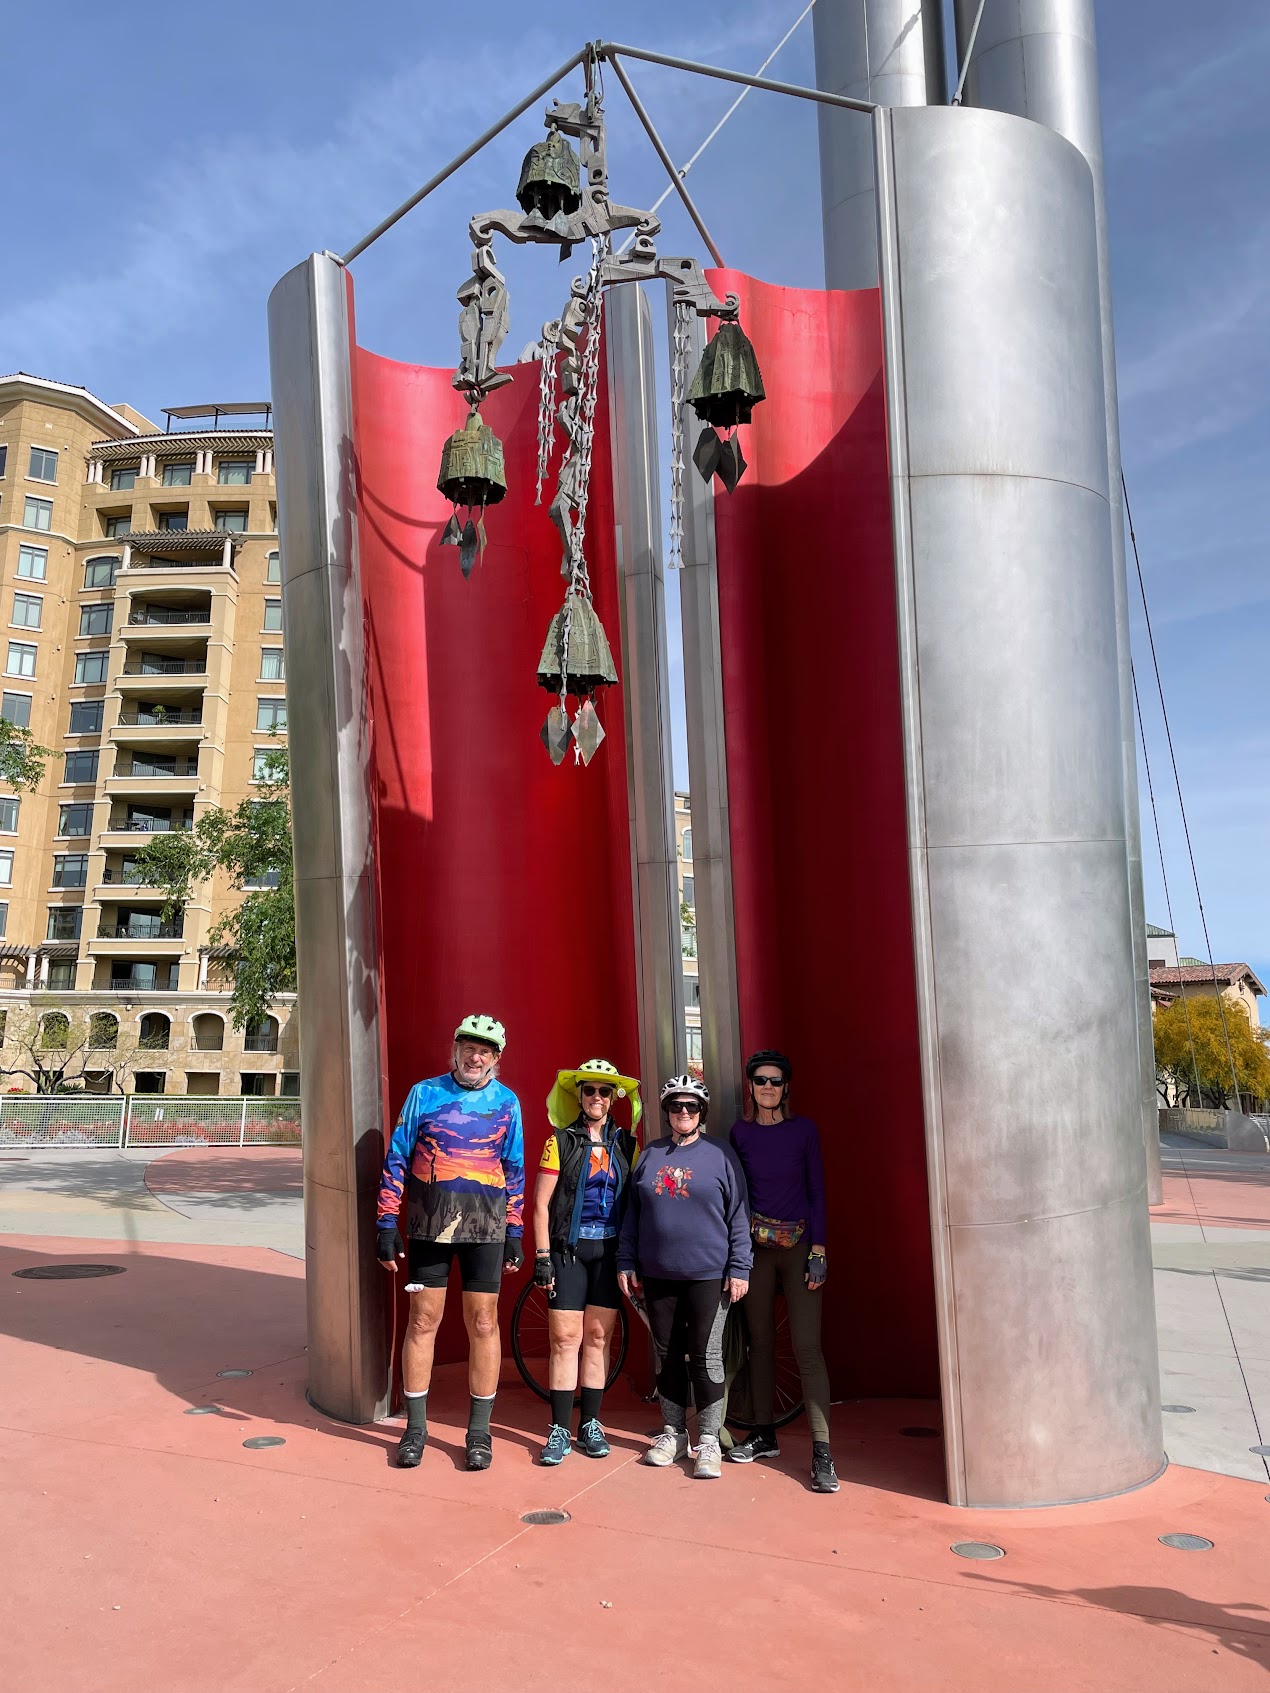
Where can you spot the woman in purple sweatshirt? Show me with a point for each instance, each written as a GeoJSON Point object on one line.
{"type": "Point", "coordinates": [780, 1155]}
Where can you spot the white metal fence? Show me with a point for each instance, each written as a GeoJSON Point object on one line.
{"type": "Point", "coordinates": [147, 1119]}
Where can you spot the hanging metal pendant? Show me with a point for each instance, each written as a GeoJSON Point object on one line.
{"type": "Point", "coordinates": [467, 549]}
{"type": "Point", "coordinates": [575, 656]}
{"type": "Point", "coordinates": [731, 466]}
{"type": "Point", "coordinates": [550, 179]}
{"type": "Point", "coordinates": [588, 731]}
{"type": "Point", "coordinates": [472, 470]}
{"type": "Point", "coordinates": [728, 384]}
{"type": "Point", "coordinates": [452, 534]}
{"type": "Point", "coordinates": [556, 733]}
{"type": "Point", "coordinates": [707, 453]}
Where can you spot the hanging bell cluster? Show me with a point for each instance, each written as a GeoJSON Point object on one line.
{"type": "Point", "coordinates": [473, 476]}
{"type": "Point", "coordinates": [550, 185]}
{"type": "Point", "coordinates": [724, 392]}
{"type": "Point", "coordinates": [575, 660]}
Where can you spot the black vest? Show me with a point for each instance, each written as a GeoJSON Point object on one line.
{"type": "Point", "coordinates": [574, 1145]}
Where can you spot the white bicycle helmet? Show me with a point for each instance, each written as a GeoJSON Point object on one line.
{"type": "Point", "coordinates": [677, 1086]}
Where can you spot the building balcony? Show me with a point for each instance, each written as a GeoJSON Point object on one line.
{"type": "Point", "coordinates": [178, 550]}
{"type": "Point", "coordinates": [132, 929]}
{"type": "Point", "coordinates": [156, 727]}
{"type": "Point", "coordinates": [152, 978]}
{"type": "Point", "coordinates": [162, 632]}
{"type": "Point", "coordinates": [164, 665]}
{"type": "Point", "coordinates": [260, 1043]}
{"type": "Point", "coordinates": [129, 831]}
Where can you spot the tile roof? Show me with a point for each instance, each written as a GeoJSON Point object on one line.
{"type": "Point", "coordinates": [1198, 975]}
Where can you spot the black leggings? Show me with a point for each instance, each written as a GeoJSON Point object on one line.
{"type": "Point", "coordinates": [686, 1318]}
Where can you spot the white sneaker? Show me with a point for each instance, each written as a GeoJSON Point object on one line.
{"type": "Point", "coordinates": [670, 1445]}
{"type": "Point", "coordinates": [709, 1459]}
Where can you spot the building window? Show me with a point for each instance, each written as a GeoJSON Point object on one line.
{"type": "Point", "coordinates": [114, 527]}
{"type": "Point", "coordinates": [178, 475]}
{"type": "Point", "coordinates": [62, 975]}
{"type": "Point", "coordinates": [9, 815]}
{"type": "Point", "coordinates": [16, 709]}
{"type": "Point", "coordinates": [64, 922]}
{"type": "Point", "coordinates": [86, 716]}
{"type": "Point", "coordinates": [4, 459]}
{"type": "Point", "coordinates": [74, 820]}
{"type": "Point", "coordinates": [687, 846]}
{"type": "Point", "coordinates": [271, 668]}
{"type": "Point", "coordinates": [21, 659]}
{"type": "Point", "coordinates": [688, 890]}
{"type": "Point", "coordinates": [267, 764]}
{"type": "Point", "coordinates": [33, 562]}
{"type": "Point", "coordinates": [271, 714]}
{"type": "Point", "coordinates": [273, 615]}
{"type": "Point", "coordinates": [100, 572]}
{"type": "Point", "coordinates": [175, 520]}
{"type": "Point", "coordinates": [43, 464]}
{"type": "Point", "coordinates": [694, 1045]}
{"type": "Point", "coordinates": [289, 1084]}
{"type": "Point", "coordinates": [6, 867]}
{"type": "Point", "coordinates": [96, 619]}
{"type": "Point", "coordinates": [80, 768]}
{"type": "Point", "coordinates": [28, 609]}
{"type": "Point", "coordinates": [37, 513]}
{"type": "Point", "coordinates": [232, 522]}
{"type": "Point", "coordinates": [266, 879]}
{"type": "Point", "coordinates": [235, 473]}
{"type": "Point", "coordinates": [70, 869]}
{"type": "Point", "coordinates": [90, 667]}
{"type": "Point", "coordinates": [149, 1081]}
{"type": "Point", "coordinates": [253, 1084]}
{"type": "Point", "coordinates": [4, 909]}
{"type": "Point", "coordinates": [273, 568]}
{"type": "Point", "coordinates": [123, 477]}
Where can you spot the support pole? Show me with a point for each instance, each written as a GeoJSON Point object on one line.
{"type": "Point", "coordinates": [659, 147]}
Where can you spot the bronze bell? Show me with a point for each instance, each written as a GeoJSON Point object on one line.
{"type": "Point", "coordinates": [472, 472]}
{"type": "Point", "coordinates": [589, 663]}
{"type": "Point", "coordinates": [728, 384]}
{"type": "Point", "coordinates": [550, 178]}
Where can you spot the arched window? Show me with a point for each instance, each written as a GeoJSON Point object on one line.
{"type": "Point", "coordinates": [262, 1036]}
{"type": "Point", "coordinates": [156, 1031]}
{"type": "Point", "coordinates": [54, 1030]}
{"type": "Point", "coordinates": [687, 846]}
{"type": "Point", "coordinates": [103, 1031]}
{"type": "Point", "coordinates": [209, 1032]}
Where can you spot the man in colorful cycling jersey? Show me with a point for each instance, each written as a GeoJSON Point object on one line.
{"type": "Point", "coordinates": [457, 1159]}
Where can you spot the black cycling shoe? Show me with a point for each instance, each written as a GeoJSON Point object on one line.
{"type": "Point", "coordinates": [480, 1450]}
{"type": "Point", "coordinates": [760, 1444]}
{"type": "Point", "coordinates": [824, 1478]}
{"type": "Point", "coordinates": [410, 1448]}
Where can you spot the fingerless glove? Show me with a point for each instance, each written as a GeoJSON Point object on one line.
{"type": "Point", "coordinates": [389, 1244]}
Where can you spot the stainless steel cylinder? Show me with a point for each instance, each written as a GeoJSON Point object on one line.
{"type": "Point", "coordinates": [1023, 941]}
{"type": "Point", "coordinates": [340, 1077]}
{"type": "Point", "coordinates": [1039, 60]}
{"type": "Point", "coordinates": [892, 53]}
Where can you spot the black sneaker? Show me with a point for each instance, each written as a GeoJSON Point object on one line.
{"type": "Point", "coordinates": [824, 1478]}
{"type": "Point", "coordinates": [410, 1448]}
{"type": "Point", "coordinates": [480, 1450]}
{"type": "Point", "coordinates": [591, 1441]}
{"type": "Point", "coordinates": [760, 1444]}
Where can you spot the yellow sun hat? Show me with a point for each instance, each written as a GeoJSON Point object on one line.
{"type": "Point", "coordinates": [564, 1102]}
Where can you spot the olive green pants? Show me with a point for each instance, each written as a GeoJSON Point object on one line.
{"type": "Point", "coordinates": [784, 1268]}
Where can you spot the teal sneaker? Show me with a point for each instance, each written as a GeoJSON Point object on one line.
{"type": "Point", "coordinates": [558, 1446]}
{"type": "Point", "coordinates": [591, 1442]}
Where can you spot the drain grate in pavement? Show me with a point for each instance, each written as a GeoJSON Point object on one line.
{"type": "Point", "coordinates": [982, 1550]}
{"type": "Point", "coordinates": [1261, 1451]}
{"type": "Point", "coordinates": [203, 1411]}
{"type": "Point", "coordinates": [1186, 1542]}
{"type": "Point", "coordinates": [545, 1519]}
{"type": "Point", "coordinates": [68, 1272]}
{"type": "Point", "coordinates": [1177, 1409]}
{"type": "Point", "coordinates": [259, 1441]}
{"type": "Point", "coordinates": [232, 1375]}
{"type": "Point", "coordinates": [921, 1433]}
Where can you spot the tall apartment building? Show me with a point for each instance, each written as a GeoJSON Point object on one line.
{"type": "Point", "coordinates": [139, 578]}
{"type": "Point", "coordinates": [688, 929]}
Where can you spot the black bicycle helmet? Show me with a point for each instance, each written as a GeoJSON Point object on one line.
{"type": "Point", "coordinates": [769, 1056]}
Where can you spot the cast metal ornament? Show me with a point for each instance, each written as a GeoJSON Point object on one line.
{"type": "Point", "coordinates": [549, 180]}
{"type": "Point", "coordinates": [472, 475]}
{"type": "Point", "coordinates": [724, 392]}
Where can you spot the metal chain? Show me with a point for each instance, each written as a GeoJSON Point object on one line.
{"type": "Point", "coordinates": [589, 393]}
{"type": "Point", "coordinates": [681, 347]}
{"type": "Point", "coordinates": [546, 406]}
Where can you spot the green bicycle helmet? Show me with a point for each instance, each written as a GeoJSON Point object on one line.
{"type": "Point", "coordinates": [480, 1027]}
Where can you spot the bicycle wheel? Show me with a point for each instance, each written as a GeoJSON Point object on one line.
{"type": "Point", "coordinates": [787, 1401]}
{"type": "Point", "coordinates": [531, 1346]}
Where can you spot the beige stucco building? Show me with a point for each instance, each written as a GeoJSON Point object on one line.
{"type": "Point", "coordinates": [140, 585]}
{"type": "Point", "coordinates": [688, 914]}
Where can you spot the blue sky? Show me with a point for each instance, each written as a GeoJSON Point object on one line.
{"type": "Point", "coordinates": [178, 161]}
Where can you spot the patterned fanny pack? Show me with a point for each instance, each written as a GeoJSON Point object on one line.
{"type": "Point", "coordinates": [770, 1231]}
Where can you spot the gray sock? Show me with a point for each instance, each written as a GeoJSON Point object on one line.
{"type": "Point", "coordinates": [674, 1416]}
{"type": "Point", "coordinates": [710, 1420]}
{"type": "Point", "coordinates": [417, 1410]}
{"type": "Point", "coordinates": [478, 1413]}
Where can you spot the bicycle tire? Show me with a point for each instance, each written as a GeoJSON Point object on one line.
{"type": "Point", "coordinates": [789, 1403]}
{"type": "Point", "coordinates": [529, 1340]}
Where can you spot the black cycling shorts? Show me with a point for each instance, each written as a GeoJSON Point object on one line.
{"type": "Point", "coordinates": [586, 1276]}
{"type": "Point", "coordinates": [480, 1264]}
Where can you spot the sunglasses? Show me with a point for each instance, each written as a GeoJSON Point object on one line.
{"type": "Point", "coordinates": [683, 1108]}
{"type": "Point", "coordinates": [590, 1090]}
{"type": "Point", "coordinates": [769, 1081]}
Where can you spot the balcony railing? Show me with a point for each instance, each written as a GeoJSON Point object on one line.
{"type": "Point", "coordinates": [135, 717]}
{"type": "Point", "coordinates": [151, 825]}
{"type": "Point", "coordinates": [126, 878]}
{"type": "Point", "coordinates": [161, 983]}
{"type": "Point", "coordinates": [153, 615]}
{"type": "Point", "coordinates": [134, 931]}
{"type": "Point", "coordinates": [166, 667]}
{"type": "Point", "coordinates": [158, 767]}
{"type": "Point", "coordinates": [260, 1043]}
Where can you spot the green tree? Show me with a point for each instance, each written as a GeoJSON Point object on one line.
{"type": "Point", "coordinates": [21, 757]}
{"type": "Point", "coordinates": [251, 845]}
{"type": "Point", "coordinates": [687, 930]}
{"type": "Point", "coordinates": [1190, 1048]}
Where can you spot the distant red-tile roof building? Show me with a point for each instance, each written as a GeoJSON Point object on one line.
{"type": "Point", "coordinates": [1237, 981]}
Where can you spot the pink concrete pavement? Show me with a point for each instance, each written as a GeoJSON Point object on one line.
{"type": "Point", "coordinates": [1216, 1198]}
{"type": "Point", "coordinates": [144, 1548]}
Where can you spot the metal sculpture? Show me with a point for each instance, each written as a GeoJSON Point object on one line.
{"type": "Point", "coordinates": [563, 195]}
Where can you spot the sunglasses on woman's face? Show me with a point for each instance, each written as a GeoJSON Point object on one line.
{"type": "Point", "coordinates": [769, 1081]}
{"type": "Point", "coordinates": [684, 1108]}
{"type": "Point", "coordinates": [590, 1090]}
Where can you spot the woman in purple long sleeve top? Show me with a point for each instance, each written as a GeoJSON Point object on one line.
{"type": "Point", "coordinates": [780, 1155]}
